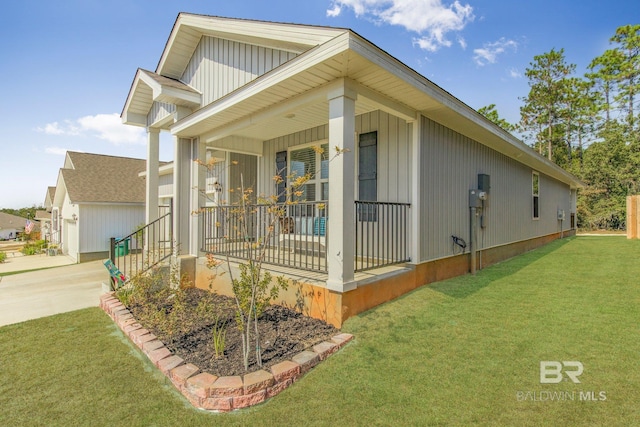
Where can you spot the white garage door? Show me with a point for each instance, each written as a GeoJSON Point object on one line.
{"type": "Point", "coordinates": [71, 238]}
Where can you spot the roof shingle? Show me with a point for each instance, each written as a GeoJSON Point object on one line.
{"type": "Point", "coordinates": [97, 178]}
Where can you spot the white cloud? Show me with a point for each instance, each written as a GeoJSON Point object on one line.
{"type": "Point", "coordinates": [514, 73]}
{"type": "Point", "coordinates": [430, 19]}
{"type": "Point", "coordinates": [462, 42]}
{"type": "Point", "coordinates": [56, 128]}
{"type": "Point", "coordinates": [488, 53]}
{"type": "Point", "coordinates": [103, 126]}
{"type": "Point", "coordinates": [335, 11]}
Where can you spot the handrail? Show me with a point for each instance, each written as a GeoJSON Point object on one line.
{"type": "Point", "coordinates": [290, 235]}
{"type": "Point", "coordinates": [381, 234]}
{"type": "Point", "coordinates": [145, 248]}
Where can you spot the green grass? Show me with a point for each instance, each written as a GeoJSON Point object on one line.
{"type": "Point", "coordinates": [454, 353]}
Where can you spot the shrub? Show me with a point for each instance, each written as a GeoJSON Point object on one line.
{"type": "Point", "coordinates": [32, 248]}
{"type": "Point", "coordinates": [3, 257]}
{"type": "Point", "coordinates": [171, 310]}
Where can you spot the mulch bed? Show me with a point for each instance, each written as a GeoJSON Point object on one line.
{"type": "Point", "coordinates": [283, 334]}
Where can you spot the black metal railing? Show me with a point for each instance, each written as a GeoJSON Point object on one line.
{"type": "Point", "coordinates": [381, 234]}
{"type": "Point", "coordinates": [290, 235]}
{"type": "Point", "coordinates": [144, 248]}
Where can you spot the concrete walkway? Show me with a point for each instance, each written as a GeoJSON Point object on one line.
{"type": "Point", "coordinates": [35, 294]}
{"type": "Point", "coordinates": [17, 262]}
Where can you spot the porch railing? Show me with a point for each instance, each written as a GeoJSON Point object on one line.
{"type": "Point", "coordinates": [144, 248]}
{"type": "Point", "coordinates": [381, 234]}
{"type": "Point", "coordinates": [288, 235]}
{"type": "Point", "coordinates": [297, 235]}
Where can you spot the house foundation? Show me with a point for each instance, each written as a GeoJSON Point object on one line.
{"type": "Point", "coordinates": [308, 294]}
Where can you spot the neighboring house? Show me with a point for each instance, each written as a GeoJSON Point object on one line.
{"type": "Point", "coordinates": [43, 219]}
{"type": "Point", "coordinates": [11, 226]}
{"type": "Point", "coordinates": [96, 197]}
{"type": "Point", "coordinates": [50, 223]}
{"type": "Point", "coordinates": [418, 168]}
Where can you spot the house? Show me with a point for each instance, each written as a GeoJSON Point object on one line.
{"type": "Point", "coordinates": [11, 226]}
{"type": "Point", "coordinates": [411, 186]}
{"type": "Point", "coordinates": [96, 197]}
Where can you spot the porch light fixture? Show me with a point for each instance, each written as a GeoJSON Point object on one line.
{"type": "Point", "coordinates": [74, 217]}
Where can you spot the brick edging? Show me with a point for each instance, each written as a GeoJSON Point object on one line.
{"type": "Point", "coordinates": [206, 391]}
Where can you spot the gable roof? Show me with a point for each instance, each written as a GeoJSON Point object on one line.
{"type": "Point", "coordinates": [164, 85]}
{"type": "Point", "coordinates": [49, 197]}
{"type": "Point", "coordinates": [189, 28]}
{"type": "Point", "coordinates": [11, 222]}
{"type": "Point", "coordinates": [294, 96]}
{"type": "Point", "coordinates": [97, 178]}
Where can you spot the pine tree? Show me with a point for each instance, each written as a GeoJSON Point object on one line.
{"type": "Point", "coordinates": [548, 74]}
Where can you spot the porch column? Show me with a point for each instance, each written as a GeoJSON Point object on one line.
{"type": "Point", "coordinates": [341, 241]}
{"type": "Point", "coordinates": [181, 190]}
{"type": "Point", "coordinates": [153, 163]}
{"type": "Point", "coordinates": [197, 194]}
{"type": "Point", "coordinates": [416, 185]}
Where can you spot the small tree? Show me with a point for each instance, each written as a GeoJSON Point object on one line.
{"type": "Point", "coordinates": [254, 289]}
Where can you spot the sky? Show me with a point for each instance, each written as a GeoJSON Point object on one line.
{"type": "Point", "coordinates": [66, 66]}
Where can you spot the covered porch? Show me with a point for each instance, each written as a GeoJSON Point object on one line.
{"type": "Point", "coordinates": [361, 209]}
{"type": "Point", "coordinates": [340, 222]}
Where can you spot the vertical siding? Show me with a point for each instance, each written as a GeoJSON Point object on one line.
{"type": "Point", "coordinates": [394, 148]}
{"type": "Point", "coordinates": [98, 223]}
{"type": "Point", "coordinates": [220, 66]}
{"type": "Point", "coordinates": [451, 163]}
{"type": "Point", "coordinates": [159, 110]}
{"type": "Point", "coordinates": [165, 185]}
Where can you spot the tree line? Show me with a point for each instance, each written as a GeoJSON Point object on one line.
{"type": "Point", "coordinates": [587, 124]}
{"type": "Point", "coordinates": [24, 212]}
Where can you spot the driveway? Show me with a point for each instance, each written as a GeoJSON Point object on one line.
{"type": "Point", "coordinates": [41, 293]}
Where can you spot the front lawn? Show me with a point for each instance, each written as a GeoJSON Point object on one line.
{"type": "Point", "coordinates": [460, 352]}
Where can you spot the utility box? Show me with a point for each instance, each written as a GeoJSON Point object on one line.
{"type": "Point", "coordinates": [476, 197]}
{"type": "Point", "coordinates": [483, 182]}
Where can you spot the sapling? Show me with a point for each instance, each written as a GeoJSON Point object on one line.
{"type": "Point", "coordinates": [254, 289]}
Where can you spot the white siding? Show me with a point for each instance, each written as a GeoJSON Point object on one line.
{"type": "Point", "coordinates": [69, 230]}
{"type": "Point", "coordinates": [165, 185]}
{"type": "Point", "coordinates": [159, 111]}
{"type": "Point", "coordinates": [71, 238]}
{"type": "Point", "coordinates": [98, 223]}
{"type": "Point", "coordinates": [220, 66]}
{"type": "Point", "coordinates": [451, 163]}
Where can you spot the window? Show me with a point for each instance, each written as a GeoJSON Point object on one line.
{"type": "Point", "coordinates": [535, 188]}
{"type": "Point", "coordinates": [309, 161]}
{"type": "Point", "coordinates": [367, 175]}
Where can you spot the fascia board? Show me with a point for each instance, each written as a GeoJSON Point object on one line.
{"type": "Point", "coordinates": [303, 62]}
